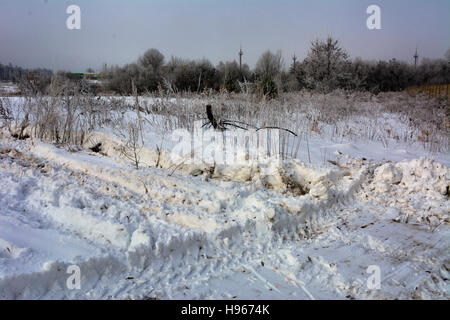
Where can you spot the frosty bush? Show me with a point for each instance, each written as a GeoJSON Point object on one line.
{"type": "Point", "coordinates": [267, 86]}
{"type": "Point", "coordinates": [5, 110]}
{"type": "Point", "coordinates": [132, 147]}
{"type": "Point", "coordinates": [64, 116]}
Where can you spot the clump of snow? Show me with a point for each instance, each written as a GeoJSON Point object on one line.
{"type": "Point", "coordinates": [321, 188]}
{"type": "Point", "coordinates": [140, 237]}
{"type": "Point", "coordinates": [388, 173]}
{"type": "Point", "coordinates": [425, 175]}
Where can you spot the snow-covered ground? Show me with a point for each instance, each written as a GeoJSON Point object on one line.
{"type": "Point", "coordinates": [8, 88]}
{"type": "Point", "coordinates": [308, 229]}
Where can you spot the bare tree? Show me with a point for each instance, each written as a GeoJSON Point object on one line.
{"type": "Point", "coordinates": [269, 63]}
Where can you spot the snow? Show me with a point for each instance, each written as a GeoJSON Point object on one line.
{"type": "Point", "coordinates": [8, 88]}
{"type": "Point", "coordinates": [297, 230]}
{"type": "Point", "coordinates": [388, 173]}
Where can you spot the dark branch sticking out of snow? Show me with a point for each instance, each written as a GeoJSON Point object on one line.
{"type": "Point", "coordinates": [222, 124]}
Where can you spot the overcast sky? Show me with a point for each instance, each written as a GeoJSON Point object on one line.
{"type": "Point", "coordinates": [33, 33]}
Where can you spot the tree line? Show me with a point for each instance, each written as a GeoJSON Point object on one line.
{"type": "Point", "coordinates": [327, 67]}
{"type": "Point", "coordinates": [8, 72]}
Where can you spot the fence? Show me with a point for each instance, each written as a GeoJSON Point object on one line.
{"type": "Point", "coordinates": [432, 91]}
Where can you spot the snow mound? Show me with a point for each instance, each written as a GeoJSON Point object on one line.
{"type": "Point", "coordinates": [284, 176]}
{"type": "Point", "coordinates": [388, 173]}
{"type": "Point", "coordinates": [419, 189]}
{"type": "Point", "coordinates": [424, 175]}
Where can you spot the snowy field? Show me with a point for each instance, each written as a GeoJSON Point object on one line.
{"type": "Point", "coordinates": [363, 195]}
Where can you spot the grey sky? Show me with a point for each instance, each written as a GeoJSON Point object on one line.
{"type": "Point", "coordinates": [33, 33]}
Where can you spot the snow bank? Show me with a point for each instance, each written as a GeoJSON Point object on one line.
{"type": "Point", "coordinates": [146, 229]}
{"type": "Point", "coordinates": [419, 189]}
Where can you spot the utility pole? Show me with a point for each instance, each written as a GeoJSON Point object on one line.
{"type": "Point", "coordinates": [294, 60]}
{"type": "Point", "coordinates": [416, 57]}
{"type": "Point", "coordinates": [241, 53]}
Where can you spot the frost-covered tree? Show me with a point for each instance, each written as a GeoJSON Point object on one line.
{"type": "Point", "coordinates": [208, 75]}
{"type": "Point", "coordinates": [357, 73]}
{"type": "Point", "coordinates": [433, 71]}
{"type": "Point", "coordinates": [150, 64]}
{"type": "Point", "coordinates": [325, 65]}
{"type": "Point", "coordinates": [288, 82]}
{"type": "Point", "coordinates": [230, 75]}
{"type": "Point", "coordinates": [268, 72]}
{"type": "Point", "coordinates": [269, 63]}
{"type": "Point", "coordinates": [191, 75]}
{"type": "Point", "coordinates": [152, 58]}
